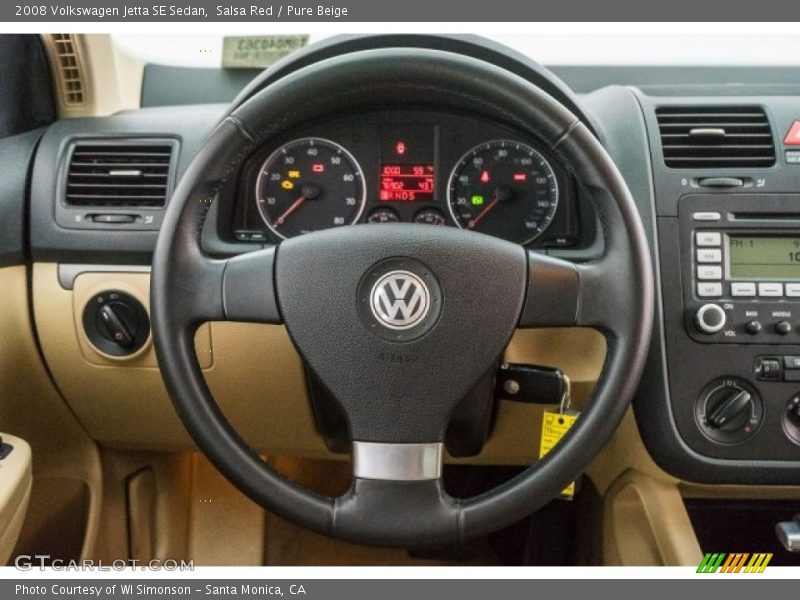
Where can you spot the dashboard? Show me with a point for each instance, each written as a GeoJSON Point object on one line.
{"type": "Point", "coordinates": [401, 166]}
{"type": "Point", "coordinates": [723, 235]}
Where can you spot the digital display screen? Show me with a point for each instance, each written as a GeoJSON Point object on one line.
{"type": "Point", "coordinates": [764, 257]}
{"type": "Point", "coordinates": [406, 183]}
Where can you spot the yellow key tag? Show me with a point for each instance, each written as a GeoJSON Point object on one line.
{"type": "Point", "coordinates": [555, 425]}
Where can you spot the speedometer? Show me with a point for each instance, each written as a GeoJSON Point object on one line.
{"type": "Point", "coordinates": [309, 184]}
{"type": "Point", "coordinates": [504, 188]}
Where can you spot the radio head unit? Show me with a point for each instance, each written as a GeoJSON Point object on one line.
{"type": "Point", "coordinates": [740, 265]}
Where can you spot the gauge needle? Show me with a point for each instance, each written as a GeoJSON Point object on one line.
{"type": "Point", "coordinates": [292, 207]}
{"type": "Point", "coordinates": [501, 194]}
{"type": "Point", "coordinates": [484, 212]}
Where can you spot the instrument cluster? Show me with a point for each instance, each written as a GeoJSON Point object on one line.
{"type": "Point", "coordinates": [407, 167]}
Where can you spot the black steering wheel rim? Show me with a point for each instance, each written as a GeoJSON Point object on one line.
{"type": "Point", "coordinates": [614, 294]}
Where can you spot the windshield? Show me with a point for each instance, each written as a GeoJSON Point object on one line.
{"type": "Point", "coordinates": [568, 45]}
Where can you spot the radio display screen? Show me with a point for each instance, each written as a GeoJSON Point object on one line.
{"type": "Point", "coordinates": [764, 257]}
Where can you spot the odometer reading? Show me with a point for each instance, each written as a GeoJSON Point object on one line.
{"type": "Point", "coordinates": [406, 183]}
{"type": "Point", "coordinates": [504, 188]}
{"type": "Point", "coordinates": [309, 184]}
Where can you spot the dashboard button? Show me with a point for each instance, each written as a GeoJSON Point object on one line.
{"type": "Point", "coordinates": [741, 289]}
{"type": "Point", "coordinates": [709, 238]}
{"type": "Point", "coordinates": [770, 290]}
{"type": "Point", "coordinates": [791, 362]}
{"type": "Point", "coordinates": [753, 327]}
{"type": "Point", "coordinates": [709, 272]}
{"type": "Point", "coordinates": [706, 216]}
{"type": "Point", "coordinates": [709, 255]}
{"type": "Point", "coordinates": [793, 290]}
{"type": "Point", "coordinates": [793, 135]}
{"type": "Point", "coordinates": [768, 368]}
{"type": "Point", "coordinates": [709, 289]}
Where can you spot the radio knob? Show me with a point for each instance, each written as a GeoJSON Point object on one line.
{"type": "Point", "coordinates": [783, 328]}
{"type": "Point", "coordinates": [710, 318]}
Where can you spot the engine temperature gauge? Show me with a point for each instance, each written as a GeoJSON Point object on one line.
{"type": "Point", "coordinates": [429, 216]}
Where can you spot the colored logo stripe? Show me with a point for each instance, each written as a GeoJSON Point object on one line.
{"type": "Point", "coordinates": [758, 563]}
{"type": "Point", "coordinates": [734, 563]}
{"type": "Point", "coordinates": [711, 562]}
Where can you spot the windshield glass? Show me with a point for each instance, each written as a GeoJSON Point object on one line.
{"type": "Point", "coordinates": [559, 46]}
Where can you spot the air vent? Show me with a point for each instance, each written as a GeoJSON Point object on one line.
{"type": "Point", "coordinates": [70, 72]}
{"type": "Point", "coordinates": [119, 173]}
{"type": "Point", "coordinates": [703, 137]}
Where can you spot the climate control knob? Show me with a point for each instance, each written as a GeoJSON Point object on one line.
{"type": "Point", "coordinates": [729, 410]}
{"type": "Point", "coordinates": [710, 318]}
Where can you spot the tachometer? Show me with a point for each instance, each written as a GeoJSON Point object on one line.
{"type": "Point", "coordinates": [504, 188]}
{"type": "Point", "coordinates": [309, 184]}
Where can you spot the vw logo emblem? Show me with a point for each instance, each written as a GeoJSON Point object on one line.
{"type": "Point", "coordinates": [400, 300]}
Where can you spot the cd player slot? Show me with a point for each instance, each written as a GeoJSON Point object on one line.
{"type": "Point", "coordinates": [762, 217]}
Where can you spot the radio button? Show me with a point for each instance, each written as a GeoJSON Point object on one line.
{"type": "Point", "coordinates": [770, 290]}
{"type": "Point", "coordinates": [793, 290]}
{"type": "Point", "coordinates": [709, 272]}
{"type": "Point", "coordinates": [709, 238]}
{"type": "Point", "coordinates": [741, 289]}
{"type": "Point", "coordinates": [706, 216]}
{"type": "Point", "coordinates": [753, 327]}
{"type": "Point", "coordinates": [708, 255]}
{"type": "Point", "coordinates": [709, 289]}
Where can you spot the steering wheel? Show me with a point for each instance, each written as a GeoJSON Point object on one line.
{"type": "Point", "coordinates": [340, 292]}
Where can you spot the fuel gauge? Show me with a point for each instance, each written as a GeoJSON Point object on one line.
{"type": "Point", "coordinates": [429, 216]}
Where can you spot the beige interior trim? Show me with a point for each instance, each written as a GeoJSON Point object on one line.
{"type": "Point", "coordinates": [645, 523]}
{"type": "Point", "coordinates": [255, 375]}
{"type": "Point", "coordinates": [166, 520]}
{"type": "Point", "coordinates": [16, 479]}
{"type": "Point", "coordinates": [111, 80]}
{"type": "Point", "coordinates": [87, 285]}
{"type": "Point", "coordinates": [32, 409]}
{"type": "Point", "coordinates": [214, 499]}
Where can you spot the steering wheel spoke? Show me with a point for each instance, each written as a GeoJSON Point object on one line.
{"type": "Point", "coordinates": [554, 292]}
{"type": "Point", "coordinates": [397, 491]}
{"type": "Point", "coordinates": [397, 462]}
{"type": "Point", "coordinates": [564, 294]}
{"type": "Point", "coordinates": [248, 288]}
{"type": "Point", "coordinates": [240, 288]}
